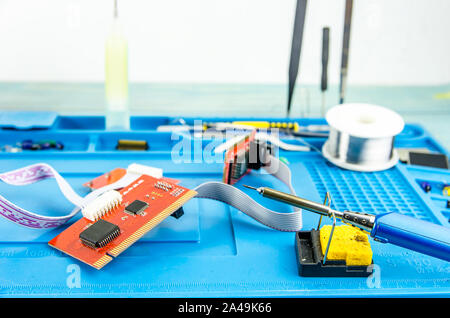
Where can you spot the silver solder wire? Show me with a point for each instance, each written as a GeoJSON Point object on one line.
{"type": "Point", "coordinates": [359, 150]}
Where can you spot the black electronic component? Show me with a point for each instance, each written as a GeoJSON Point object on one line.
{"type": "Point", "coordinates": [35, 147]}
{"type": "Point", "coordinates": [435, 160]}
{"type": "Point", "coordinates": [178, 213]}
{"type": "Point", "coordinates": [136, 207]}
{"type": "Point", "coordinates": [254, 158]}
{"type": "Point", "coordinates": [426, 186]}
{"type": "Point", "coordinates": [258, 154]}
{"type": "Point", "coordinates": [99, 234]}
{"type": "Point", "coordinates": [310, 259]}
{"type": "Point", "coordinates": [29, 144]}
{"type": "Point", "coordinates": [230, 169]}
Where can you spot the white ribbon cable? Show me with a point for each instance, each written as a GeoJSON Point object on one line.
{"type": "Point", "coordinates": [41, 171]}
{"type": "Point", "coordinates": [227, 144]}
{"type": "Point", "coordinates": [280, 144]}
{"type": "Point", "coordinates": [32, 174]}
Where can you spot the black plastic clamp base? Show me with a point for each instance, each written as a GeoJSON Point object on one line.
{"type": "Point", "coordinates": [310, 259]}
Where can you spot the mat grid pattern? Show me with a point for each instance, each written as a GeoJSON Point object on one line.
{"type": "Point", "coordinates": [376, 192]}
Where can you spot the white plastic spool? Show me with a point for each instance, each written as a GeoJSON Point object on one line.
{"type": "Point", "coordinates": [362, 137]}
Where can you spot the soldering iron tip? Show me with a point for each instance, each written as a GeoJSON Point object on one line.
{"type": "Point", "coordinates": [250, 187]}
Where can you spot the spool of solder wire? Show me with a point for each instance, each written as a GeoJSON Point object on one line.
{"type": "Point", "coordinates": [362, 137]}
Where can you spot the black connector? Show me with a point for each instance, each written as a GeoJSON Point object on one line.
{"type": "Point", "coordinates": [258, 154]}
{"type": "Point", "coordinates": [178, 213]}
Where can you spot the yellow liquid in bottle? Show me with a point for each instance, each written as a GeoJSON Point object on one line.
{"type": "Point", "coordinates": [116, 79]}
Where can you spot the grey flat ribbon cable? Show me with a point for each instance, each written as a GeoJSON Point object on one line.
{"type": "Point", "coordinates": [296, 48]}
{"type": "Point", "coordinates": [281, 221]}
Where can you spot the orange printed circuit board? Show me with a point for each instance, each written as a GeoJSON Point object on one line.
{"type": "Point", "coordinates": [105, 179]}
{"type": "Point", "coordinates": [236, 159]}
{"type": "Point", "coordinates": [143, 205]}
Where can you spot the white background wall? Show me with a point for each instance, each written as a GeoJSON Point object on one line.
{"type": "Point", "coordinates": [393, 41]}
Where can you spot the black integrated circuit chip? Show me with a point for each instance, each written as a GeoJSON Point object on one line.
{"type": "Point", "coordinates": [99, 234]}
{"type": "Point", "coordinates": [136, 207]}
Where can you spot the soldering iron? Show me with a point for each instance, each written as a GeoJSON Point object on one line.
{"type": "Point", "coordinates": [398, 229]}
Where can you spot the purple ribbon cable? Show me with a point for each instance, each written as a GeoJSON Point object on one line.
{"type": "Point", "coordinates": [28, 175]}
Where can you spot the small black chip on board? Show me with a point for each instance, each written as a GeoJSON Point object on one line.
{"type": "Point", "coordinates": [99, 234]}
{"type": "Point", "coordinates": [136, 207]}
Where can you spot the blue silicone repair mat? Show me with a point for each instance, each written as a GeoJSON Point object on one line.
{"type": "Point", "coordinates": [213, 250]}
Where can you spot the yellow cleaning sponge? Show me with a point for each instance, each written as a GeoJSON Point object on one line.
{"type": "Point", "coordinates": [348, 243]}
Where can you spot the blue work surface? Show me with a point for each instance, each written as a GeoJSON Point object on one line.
{"type": "Point", "coordinates": [213, 250]}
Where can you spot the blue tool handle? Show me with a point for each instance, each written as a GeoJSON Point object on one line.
{"type": "Point", "coordinates": [414, 234]}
